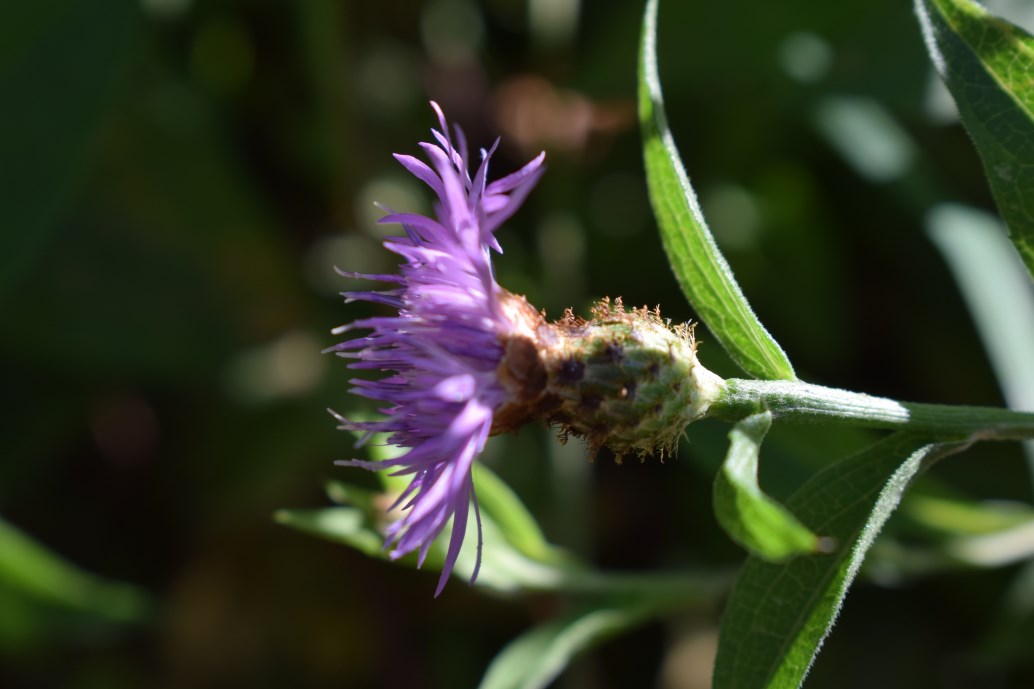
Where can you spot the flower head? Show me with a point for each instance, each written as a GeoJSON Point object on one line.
{"type": "Point", "coordinates": [445, 345]}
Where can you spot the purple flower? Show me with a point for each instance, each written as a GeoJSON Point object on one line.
{"type": "Point", "coordinates": [445, 345]}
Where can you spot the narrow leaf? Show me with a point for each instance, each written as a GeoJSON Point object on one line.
{"type": "Point", "coordinates": [513, 558]}
{"type": "Point", "coordinates": [953, 516]}
{"type": "Point", "coordinates": [503, 568]}
{"type": "Point", "coordinates": [534, 659]}
{"type": "Point", "coordinates": [999, 295]}
{"type": "Point", "coordinates": [701, 270]}
{"type": "Point", "coordinates": [348, 525]}
{"type": "Point", "coordinates": [988, 65]}
{"type": "Point", "coordinates": [779, 614]}
{"type": "Point", "coordinates": [29, 569]}
{"type": "Point", "coordinates": [515, 522]}
{"type": "Point", "coordinates": [751, 518]}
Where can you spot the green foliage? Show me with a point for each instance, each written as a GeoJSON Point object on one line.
{"type": "Point", "coordinates": [751, 518]}
{"type": "Point", "coordinates": [28, 570]}
{"type": "Point", "coordinates": [997, 291]}
{"type": "Point", "coordinates": [534, 659]}
{"type": "Point", "coordinates": [988, 65]}
{"type": "Point", "coordinates": [517, 555]}
{"type": "Point", "coordinates": [179, 179]}
{"type": "Point", "coordinates": [779, 614]}
{"type": "Point", "coordinates": [702, 271]}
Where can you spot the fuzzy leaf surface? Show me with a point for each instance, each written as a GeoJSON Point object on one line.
{"type": "Point", "coordinates": [779, 614]}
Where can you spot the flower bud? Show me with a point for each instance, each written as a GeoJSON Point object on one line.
{"type": "Point", "coordinates": [624, 380]}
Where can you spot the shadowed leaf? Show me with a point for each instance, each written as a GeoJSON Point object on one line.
{"type": "Point", "coordinates": [779, 614]}
{"type": "Point", "coordinates": [988, 65]}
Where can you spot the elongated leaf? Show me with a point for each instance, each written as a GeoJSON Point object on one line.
{"type": "Point", "coordinates": [534, 659]}
{"type": "Point", "coordinates": [504, 568]}
{"type": "Point", "coordinates": [351, 526]}
{"type": "Point", "coordinates": [29, 569]}
{"type": "Point", "coordinates": [702, 271]}
{"type": "Point", "coordinates": [751, 518]}
{"type": "Point", "coordinates": [496, 499]}
{"type": "Point", "coordinates": [516, 554]}
{"type": "Point", "coordinates": [952, 516]}
{"type": "Point", "coordinates": [778, 615]}
{"type": "Point", "coordinates": [988, 65]}
{"type": "Point", "coordinates": [999, 295]}
{"type": "Point", "coordinates": [515, 522]}
{"type": "Point", "coordinates": [513, 558]}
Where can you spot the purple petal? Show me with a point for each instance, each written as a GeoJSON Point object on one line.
{"type": "Point", "coordinates": [440, 352]}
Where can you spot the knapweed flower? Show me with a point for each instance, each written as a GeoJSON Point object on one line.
{"type": "Point", "coordinates": [446, 342]}
{"type": "Point", "coordinates": [468, 359]}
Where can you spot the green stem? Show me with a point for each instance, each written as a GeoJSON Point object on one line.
{"type": "Point", "coordinates": [803, 402]}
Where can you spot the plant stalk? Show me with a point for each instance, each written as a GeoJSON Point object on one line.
{"type": "Point", "coordinates": [804, 402]}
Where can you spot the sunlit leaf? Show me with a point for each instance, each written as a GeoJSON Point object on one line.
{"type": "Point", "coordinates": [701, 270]}
{"type": "Point", "coordinates": [751, 518]}
{"type": "Point", "coordinates": [988, 65]}
{"type": "Point", "coordinates": [515, 522]}
{"type": "Point", "coordinates": [962, 517]}
{"type": "Point", "coordinates": [348, 525]}
{"type": "Point", "coordinates": [779, 614]}
{"type": "Point", "coordinates": [513, 559]}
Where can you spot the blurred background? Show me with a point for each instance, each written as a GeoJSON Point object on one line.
{"type": "Point", "coordinates": [178, 179]}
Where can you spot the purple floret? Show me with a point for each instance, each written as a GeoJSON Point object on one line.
{"type": "Point", "coordinates": [444, 346]}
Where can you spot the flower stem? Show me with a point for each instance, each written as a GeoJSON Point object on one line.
{"type": "Point", "coordinates": [803, 402]}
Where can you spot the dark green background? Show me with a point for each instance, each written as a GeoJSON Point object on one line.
{"type": "Point", "coordinates": [177, 180]}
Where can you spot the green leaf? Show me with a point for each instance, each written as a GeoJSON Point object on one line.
{"type": "Point", "coordinates": [779, 614]}
{"type": "Point", "coordinates": [503, 568]}
{"type": "Point", "coordinates": [615, 604]}
{"type": "Point", "coordinates": [513, 558]}
{"type": "Point", "coordinates": [537, 657]}
{"type": "Point", "coordinates": [515, 555]}
{"type": "Point", "coordinates": [997, 291]}
{"type": "Point", "coordinates": [701, 270]}
{"type": "Point", "coordinates": [496, 500]}
{"type": "Point", "coordinates": [962, 533]}
{"type": "Point", "coordinates": [988, 65]}
{"type": "Point", "coordinates": [751, 518]}
{"type": "Point", "coordinates": [963, 517]}
{"type": "Point", "coordinates": [30, 570]}
{"type": "Point", "coordinates": [351, 526]}
{"type": "Point", "coordinates": [515, 522]}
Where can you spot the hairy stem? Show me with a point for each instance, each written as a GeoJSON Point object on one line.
{"type": "Point", "coordinates": [803, 402]}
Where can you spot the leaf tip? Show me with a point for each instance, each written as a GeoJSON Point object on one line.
{"type": "Point", "coordinates": [825, 545]}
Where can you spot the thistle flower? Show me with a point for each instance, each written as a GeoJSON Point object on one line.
{"type": "Point", "coordinates": [444, 345]}
{"type": "Point", "coordinates": [469, 359]}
